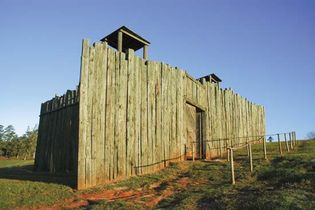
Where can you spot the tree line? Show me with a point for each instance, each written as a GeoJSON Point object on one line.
{"type": "Point", "coordinates": [14, 146]}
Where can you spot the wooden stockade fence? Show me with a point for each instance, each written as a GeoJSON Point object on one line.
{"type": "Point", "coordinates": [131, 117]}
{"type": "Point", "coordinates": [58, 134]}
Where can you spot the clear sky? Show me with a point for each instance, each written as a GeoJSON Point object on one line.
{"type": "Point", "coordinates": [264, 50]}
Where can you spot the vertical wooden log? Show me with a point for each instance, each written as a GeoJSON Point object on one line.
{"type": "Point", "coordinates": [247, 148]}
{"type": "Point", "coordinates": [149, 158]}
{"type": "Point", "coordinates": [145, 52]}
{"type": "Point", "coordinates": [250, 157]}
{"type": "Point", "coordinates": [137, 115]}
{"type": "Point", "coordinates": [291, 140]}
{"type": "Point", "coordinates": [120, 40]}
{"type": "Point", "coordinates": [193, 151]}
{"type": "Point", "coordinates": [83, 115]}
{"type": "Point", "coordinates": [90, 160]}
{"type": "Point", "coordinates": [158, 116]}
{"type": "Point", "coordinates": [124, 88]}
{"type": "Point", "coordinates": [163, 112]}
{"type": "Point", "coordinates": [265, 148]}
{"type": "Point", "coordinates": [120, 121]}
{"type": "Point", "coordinates": [286, 142]}
{"type": "Point", "coordinates": [143, 130]}
{"type": "Point", "coordinates": [185, 152]}
{"type": "Point", "coordinates": [109, 114]}
{"type": "Point", "coordinates": [279, 144]}
{"type": "Point", "coordinates": [232, 166]}
{"type": "Point", "coordinates": [131, 114]}
{"type": "Point", "coordinates": [116, 113]}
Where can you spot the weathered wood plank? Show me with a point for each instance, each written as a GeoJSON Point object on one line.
{"type": "Point", "coordinates": [143, 125]}
{"type": "Point", "coordinates": [88, 150]}
{"type": "Point", "coordinates": [122, 104]}
{"type": "Point", "coordinates": [130, 114]}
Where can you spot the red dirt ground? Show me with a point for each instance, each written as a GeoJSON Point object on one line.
{"type": "Point", "coordinates": [148, 198]}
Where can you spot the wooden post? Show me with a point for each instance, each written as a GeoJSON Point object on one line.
{"type": "Point", "coordinates": [247, 147]}
{"type": "Point", "coordinates": [250, 157]}
{"type": "Point", "coordinates": [228, 155]}
{"type": "Point", "coordinates": [279, 143]}
{"type": "Point", "coordinates": [193, 152]}
{"type": "Point", "coordinates": [286, 142]}
{"type": "Point", "coordinates": [291, 139]}
{"type": "Point", "coordinates": [232, 166]}
{"type": "Point", "coordinates": [185, 152]}
{"type": "Point", "coordinates": [295, 138]}
{"type": "Point", "coordinates": [120, 40]}
{"type": "Point", "coordinates": [265, 148]}
{"type": "Point", "coordinates": [145, 52]}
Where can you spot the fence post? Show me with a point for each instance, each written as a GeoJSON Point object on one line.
{"type": "Point", "coordinates": [185, 152]}
{"type": "Point", "coordinates": [193, 152]}
{"type": "Point", "coordinates": [250, 157]}
{"type": "Point", "coordinates": [265, 148]}
{"type": "Point", "coordinates": [228, 155]}
{"type": "Point", "coordinates": [286, 142]}
{"type": "Point", "coordinates": [279, 143]}
{"type": "Point", "coordinates": [232, 166]}
{"type": "Point", "coordinates": [291, 139]}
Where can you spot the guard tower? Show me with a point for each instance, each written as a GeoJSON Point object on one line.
{"type": "Point", "coordinates": [123, 39]}
{"type": "Point", "coordinates": [211, 78]}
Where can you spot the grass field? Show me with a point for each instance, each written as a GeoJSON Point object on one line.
{"type": "Point", "coordinates": [286, 182]}
{"type": "Point", "coordinates": [12, 163]}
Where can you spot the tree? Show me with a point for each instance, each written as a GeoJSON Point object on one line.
{"type": "Point", "coordinates": [28, 142]}
{"type": "Point", "coordinates": [19, 147]}
{"type": "Point", "coordinates": [311, 135]}
{"type": "Point", "coordinates": [7, 136]}
{"type": "Point", "coordinates": [1, 132]}
{"type": "Point", "coordinates": [1, 140]}
{"type": "Point", "coordinates": [9, 133]}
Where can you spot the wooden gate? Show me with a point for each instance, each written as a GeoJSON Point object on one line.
{"type": "Point", "coordinates": [193, 118]}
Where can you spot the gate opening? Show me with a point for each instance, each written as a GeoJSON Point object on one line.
{"type": "Point", "coordinates": [194, 120]}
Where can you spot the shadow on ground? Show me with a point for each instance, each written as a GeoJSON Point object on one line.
{"type": "Point", "coordinates": [27, 173]}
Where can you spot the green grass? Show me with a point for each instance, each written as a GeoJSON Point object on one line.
{"type": "Point", "coordinates": [16, 191]}
{"type": "Point", "coordinates": [282, 183]}
{"type": "Point", "coordinates": [11, 163]}
{"type": "Point", "coordinates": [117, 205]}
{"type": "Point", "coordinates": [137, 182]}
{"type": "Point", "coordinates": [286, 182]}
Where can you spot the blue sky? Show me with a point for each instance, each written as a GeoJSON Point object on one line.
{"type": "Point", "coordinates": [264, 50]}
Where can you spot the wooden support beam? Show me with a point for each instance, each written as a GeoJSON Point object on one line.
{"type": "Point", "coordinates": [145, 52]}
{"type": "Point", "coordinates": [120, 41]}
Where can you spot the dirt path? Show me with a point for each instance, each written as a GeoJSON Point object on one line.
{"type": "Point", "coordinates": [147, 197]}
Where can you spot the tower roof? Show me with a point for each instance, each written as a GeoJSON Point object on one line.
{"type": "Point", "coordinates": [131, 40]}
{"type": "Point", "coordinates": [211, 78]}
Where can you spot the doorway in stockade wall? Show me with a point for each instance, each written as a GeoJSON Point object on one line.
{"type": "Point", "coordinates": [194, 121]}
